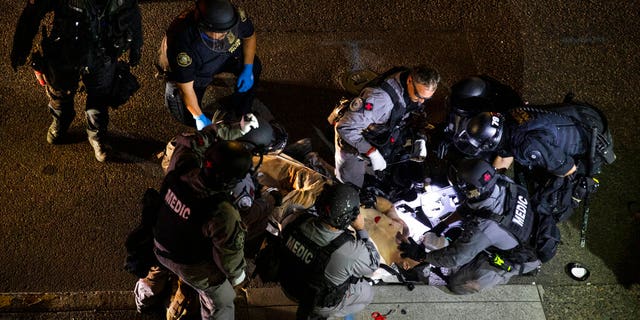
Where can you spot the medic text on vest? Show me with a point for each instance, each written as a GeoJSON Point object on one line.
{"type": "Point", "coordinates": [176, 205]}
{"type": "Point", "coordinates": [299, 250]}
{"type": "Point", "coordinates": [521, 211]}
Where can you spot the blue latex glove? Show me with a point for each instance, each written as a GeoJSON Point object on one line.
{"type": "Point", "coordinates": [201, 121]}
{"type": "Point", "coordinates": [245, 80]}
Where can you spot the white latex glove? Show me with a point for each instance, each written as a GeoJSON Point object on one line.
{"type": "Point", "coordinates": [250, 122]}
{"type": "Point", "coordinates": [377, 161]}
{"type": "Point", "coordinates": [238, 280]}
{"type": "Point", "coordinates": [420, 149]}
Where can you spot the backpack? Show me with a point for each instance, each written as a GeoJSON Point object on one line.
{"type": "Point", "coordinates": [268, 260]}
{"type": "Point", "coordinates": [139, 244]}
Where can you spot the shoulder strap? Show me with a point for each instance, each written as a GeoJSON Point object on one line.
{"type": "Point", "coordinates": [337, 242]}
{"type": "Point", "coordinates": [396, 112]}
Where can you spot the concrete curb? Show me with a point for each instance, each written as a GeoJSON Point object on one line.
{"type": "Point", "coordinates": [510, 301]}
{"type": "Point", "coordinates": [66, 301]}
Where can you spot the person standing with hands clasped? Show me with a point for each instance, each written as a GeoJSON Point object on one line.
{"type": "Point", "coordinates": [84, 42]}
{"type": "Point", "coordinates": [211, 38]}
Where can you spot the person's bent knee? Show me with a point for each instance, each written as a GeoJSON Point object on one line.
{"type": "Point", "coordinates": [469, 287]}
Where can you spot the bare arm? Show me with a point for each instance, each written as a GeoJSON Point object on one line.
{"type": "Point", "coordinates": [189, 97]}
{"type": "Point", "coordinates": [502, 163]}
{"type": "Point", "coordinates": [571, 171]}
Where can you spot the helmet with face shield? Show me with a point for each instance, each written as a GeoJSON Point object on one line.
{"type": "Point", "coordinates": [479, 134]}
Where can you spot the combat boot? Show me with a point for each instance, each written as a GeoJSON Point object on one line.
{"type": "Point", "coordinates": [183, 303]}
{"type": "Point", "coordinates": [54, 133]}
{"type": "Point", "coordinates": [100, 149]}
{"type": "Point", "coordinates": [59, 125]}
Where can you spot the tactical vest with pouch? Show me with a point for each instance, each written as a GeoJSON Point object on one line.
{"type": "Point", "coordinates": [303, 264]}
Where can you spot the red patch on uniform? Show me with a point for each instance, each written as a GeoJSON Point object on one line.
{"type": "Point", "coordinates": [486, 177]}
{"type": "Point", "coordinates": [392, 140]}
{"type": "Point", "coordinates": [199, 141]}
{"type": "Point", "coordinates": [376, 219]}
{"type": "Point", "coordinates": [368, 106]}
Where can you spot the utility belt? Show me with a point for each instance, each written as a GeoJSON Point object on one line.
{"type": "Point", "coordinates": [499, 262]}
{"type": "Point", "coordinates": [508, 260]}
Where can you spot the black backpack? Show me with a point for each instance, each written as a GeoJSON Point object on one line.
{"type": "Point", "coordinates": [139, 243]}
{"type": "Point", "coordinates": [268, 259]}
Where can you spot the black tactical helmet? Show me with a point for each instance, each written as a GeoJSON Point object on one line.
{"type": "Point", "coordinates": [473, 179]}
{"type": "Point", "coordinates": [269, 137]}
{"type": "Point", "coordinates": [216, 15]}
{"type": "Point", "coordinates": [469, 96]}
{"type": "Point", "coordinates": [338, 205]}
{"type": "Point", "coordinates": [225, 164]}
{"type": "Point", "coordinates": [480, 133]}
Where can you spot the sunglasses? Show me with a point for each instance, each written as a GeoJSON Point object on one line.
{"type": "Point", "coordinates": [415, 91]}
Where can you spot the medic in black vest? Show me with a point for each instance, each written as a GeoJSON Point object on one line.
{"type": "Point", "coordinates": [322, 263]}
{"type": "Point", "coordinates": [497, 222]}
{"type": "Point", "coordinates": [198, 234]}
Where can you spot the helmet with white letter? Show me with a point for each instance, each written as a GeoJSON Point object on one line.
{"type": "Point", "coordinates": [480, 133]}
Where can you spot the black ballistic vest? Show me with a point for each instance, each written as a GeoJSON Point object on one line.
{"type": "Point", "coordinates": [302, 267]}
{"type": "Point", "coordinates": [518, 217]}
{"type": "Point", "coordinates": [180, 221]}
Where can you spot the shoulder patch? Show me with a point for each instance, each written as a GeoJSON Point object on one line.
{"type": "Point", "coordinates": [356, 104]}
{"type": "Point", "coordinates": [242, 14]}
{"type": "Point", "coordinates": [520, 116]}
{"type": "Point", "coordinates": [183, 59]}
{"type": "Point", "coordinates": [231, 37]}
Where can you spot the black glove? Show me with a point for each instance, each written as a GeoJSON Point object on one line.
{"type": "Point", "coordinates": [439, 228]}
{"type": "Point", "coordinates": [584, 186]}
{"type": "Point", "coordinates": [412, 250]}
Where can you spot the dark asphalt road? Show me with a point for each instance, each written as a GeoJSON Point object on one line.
{"type": "Point", "coordinates": [64, 216]}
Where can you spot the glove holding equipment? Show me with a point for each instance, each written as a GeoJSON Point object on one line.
{"type": "Point", "coordinates": [201, 121]}
{"type": "Point", "coordinates": [377, 161]}
{"type": "Point", "coordinates": [584, 186]}
{"type": "Point", "coordinates": [412, 250]}
{"type": "Point", "coordinates": [245, 80]}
